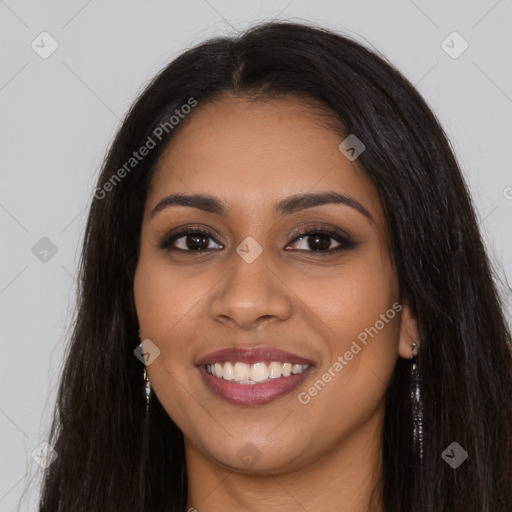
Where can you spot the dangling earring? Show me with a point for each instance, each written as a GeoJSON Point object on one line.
{"type": "Point", "coordinates": [147, 389]}
{"type": "Point", "coordinates": [417, 407]}
{"type": "Point", "coordinates": [144, 453]}
{"type": "Point", "coordinates": [147, 384]}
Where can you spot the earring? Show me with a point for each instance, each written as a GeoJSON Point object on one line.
{"type": "Point", "coordinates": [417, 408]}
{"type": "Point", "coordinates": [147, 384]}
{"type": "Point", "coordinates": [147, 389]}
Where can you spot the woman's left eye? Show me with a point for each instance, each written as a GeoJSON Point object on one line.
{"type": "Point", "coordinates": [320, 240]}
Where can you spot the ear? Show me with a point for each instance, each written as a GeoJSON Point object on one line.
{"type": "Point", "coordinates": [409, 333]}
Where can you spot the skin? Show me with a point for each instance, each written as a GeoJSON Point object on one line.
{"type": "Point", "coordinates": [323, 455]}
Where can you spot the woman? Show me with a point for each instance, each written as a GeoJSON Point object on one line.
{"type": "Point", "coordinates": [285, 300]}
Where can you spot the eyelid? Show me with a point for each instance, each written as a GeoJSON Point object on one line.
{"type": "Point", "coordinates": [326, 228]}
{"type": "Point", "coordinates": [181, 231]}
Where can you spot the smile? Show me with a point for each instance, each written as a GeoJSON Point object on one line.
{"type": "Point", "coordinates": [244, 373]}
{"type": "Point", "coordinates": [252, 376]}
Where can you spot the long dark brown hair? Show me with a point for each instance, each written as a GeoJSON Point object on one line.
{"type": "Point", "coordinates": [111, 459]}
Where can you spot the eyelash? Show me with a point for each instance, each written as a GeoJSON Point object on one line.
{"type": "Point", "coordinates": [344, 240]}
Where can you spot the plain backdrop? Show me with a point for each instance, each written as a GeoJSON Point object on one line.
{"type": "Point", "coordinates": [59, 114]}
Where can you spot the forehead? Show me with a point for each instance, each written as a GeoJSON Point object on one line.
{"type": "Point", "coordinates": [252, 153]}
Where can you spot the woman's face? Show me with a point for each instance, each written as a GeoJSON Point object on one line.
{"type": "Point", "coordinates": [329, 300]}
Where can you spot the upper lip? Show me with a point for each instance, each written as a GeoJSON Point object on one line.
{"type": "Point", "coordinates": [251, 355]}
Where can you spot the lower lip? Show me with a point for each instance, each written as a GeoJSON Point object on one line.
{"type": "Point", "coordinates": [253, 394]}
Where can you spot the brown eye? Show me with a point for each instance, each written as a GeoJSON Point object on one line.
{"type": "Point", "coordinates": [319, 240]}
{"type": "Point", "coordinates": [188, 240]}
{"type": "Point", "coordinates": [195, 242]}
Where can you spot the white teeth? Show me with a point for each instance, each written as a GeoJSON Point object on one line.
{"type": "Point", "coordinates": [297, 368]}
{"type": "Point", "coordinates": [217, 370]}
{"type": "Point", "coordinates": [259, 372]}
{"type": "Point", "coordinates": [244, 373]}
{"type": "Point", "coordinates": [274, 370]}
{"type": "Point", "coordinates": [228, 372]}
{"type": "Point", "coordinates": [241, 372]}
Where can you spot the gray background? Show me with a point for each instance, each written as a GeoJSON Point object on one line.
{"type": "Point", "coordinates": [59, 114]}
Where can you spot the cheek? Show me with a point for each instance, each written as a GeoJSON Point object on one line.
{"type": "Point", "coordinates": [362, 313]}
{"type": "Point", "coordinates": [171, 307]}
{"type": "Point", "coordinates": [162, 297]}
{"type": "Point", "coordinates": [165, 306]}
{"type": "Point", "coordinates": [361, 310]}
{"type": "Point", "coordinates": [351, 299]}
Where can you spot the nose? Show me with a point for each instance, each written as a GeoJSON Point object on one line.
{"type": "Point", "coordinates": [251, 294]}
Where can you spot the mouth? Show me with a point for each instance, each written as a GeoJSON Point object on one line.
{"type": "Point", "coordinates": [253, 376]}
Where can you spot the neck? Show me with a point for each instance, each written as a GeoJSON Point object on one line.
{"type": "Point", "coordinates": [346, 477]}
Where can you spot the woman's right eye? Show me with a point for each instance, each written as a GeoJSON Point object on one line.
{"type": "Point", "coordinates": [189, 240]}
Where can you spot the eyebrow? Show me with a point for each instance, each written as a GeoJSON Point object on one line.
{"type": "Point", "coordinates": [286, 206]}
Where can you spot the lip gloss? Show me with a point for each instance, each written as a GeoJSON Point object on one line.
{"type": "Point", "coordinates": [252, 394]}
